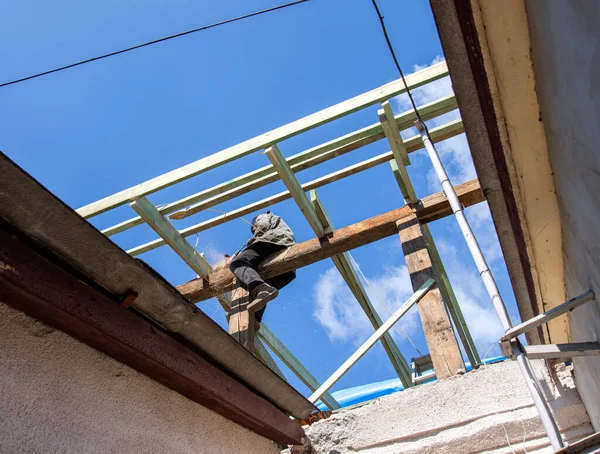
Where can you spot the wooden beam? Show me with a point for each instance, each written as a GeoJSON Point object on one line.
{"type": "Point", "coordinates": [376, 228]}
{"type": "Point", "coordinates": [241, 320]}
{"type": "Point", "coordinates": [298, 162]}
{"type": "Point", "coordinates": [263, 354]}
{"type": "Point", "coordinates": [364, 348]}
{"type": "Point", "coordinates": [438, 134]}
{"type": "Point", "coordinates": [553, 351]}
{"type": "Point", "coordinates": [212, 161]}
{"type": "Point", "coordinates": [450, 299]}
{"type": "Point", "coordinates": [443, 347]}
{"type": "Point", "coordinates": [549, 315]}
{"type": "Point", "coordinates": [343, 263]}
{"type": "Point", "coordinates": [294, 188]}
{"type": "Point", "coordinates": [35, 282]}
{"type": "Point", "coordinates": [178, 243]}
{"type": "Point", "coordinates": [399, 152]}
{"type": "Point", "coordinates": [290, 360]}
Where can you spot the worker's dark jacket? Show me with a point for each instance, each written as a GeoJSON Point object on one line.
{"type": "Point", "coordinates": [269, 228]}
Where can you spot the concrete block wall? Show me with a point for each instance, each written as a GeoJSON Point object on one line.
{"type": "Point", "coordinates": [565, 42]}
{"type": "Point", "coordinates": [487, 410]}
{"type": "Point", "coordinates": [58, 395]}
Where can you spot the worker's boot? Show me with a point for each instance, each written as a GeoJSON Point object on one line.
{"type": "Point", "coordinates": [261, 295]}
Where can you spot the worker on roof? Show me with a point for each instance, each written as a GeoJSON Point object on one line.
{"type": "Point", "coordinates": [269, 234]}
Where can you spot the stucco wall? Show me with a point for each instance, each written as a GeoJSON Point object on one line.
{"type": "Point", "coordinates": [504, 37]}
{"type": "Point", "coordinates": [59, 395]}
{"type": "Point", "coordinates": [487, 410]}
{"type": "Point", "coordinates": [566, 54]}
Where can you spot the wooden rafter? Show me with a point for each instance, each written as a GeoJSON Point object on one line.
{"type": "Point", "coordinates": [290, 360]}
{"type": "Point", "coordinates": [295, 188]}
{"type": "Point", "coordinates": [438, 134]}
{"type": "Point", "coordinates": [343, 263]}
{"type": "Point", "coordinates": [212, 161]}
{"type": "Point", "coordinates": [304, 160]}
{"type": "Point", "coordinates": [376, 228]}
{"type": "Point", "coordinates": [373, 339]}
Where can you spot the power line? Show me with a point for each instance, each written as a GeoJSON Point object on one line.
{"type": "Point", "coordinates": [387, 39]}
{"type": "Point", "coordinates": [166, 38]}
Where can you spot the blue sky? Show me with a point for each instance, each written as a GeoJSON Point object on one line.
{"type": "Point", "coordinates": [97, 129]}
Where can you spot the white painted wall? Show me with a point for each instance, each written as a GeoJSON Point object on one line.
{"type": "Point", "coordinates": [58, 395]}
{"type": "Point", "coordinates": [487, 410]}
{"type": "Point", "coordinates": [565, 39]}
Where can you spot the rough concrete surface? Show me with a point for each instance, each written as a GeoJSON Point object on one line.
{"type": "Point", "coordinates": [487, 410]}
{"type": "Point", "coordinates": [58, 395]}
{"type": "Point", "coordinates": [565, 42]}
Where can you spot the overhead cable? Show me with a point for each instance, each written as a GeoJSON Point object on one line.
{"type": "Point", "coordinates": [155, 41]}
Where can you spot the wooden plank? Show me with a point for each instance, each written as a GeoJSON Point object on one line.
{"type": "Point", "coordinates": [263, 354]}
{"type": "Point", "coordinates": [392, 133]}
{"type": "Point", "coordinates": [376, 228]}
{"type": "Point", "coordinates": [552, 351]}
{"type": "Point", "coordinates": [449, 130]}
{"type": "Point", "coordinates": [212, 161]}
{"type": "Point", "coordinates": [343, 263]}
{"type": "Point", "coordinates": [443, 347]}
{"type": "Point", "coordinates": [298, 162]}
{"type": "Point", "coordinates": [538, 320]}
{"type": "Point", "coordinates": [241, 320]}
{"type": "Point", "coordinates": [178, 243]}
{"type": "Point", "coordinates": [40, 287]}
{"type": "Point", "coordinates": [295, 365]}
{"type": "Point", "coordinates": [372, 340]}
{"type": "Point", "coordinates": [398, 151]}
{"type": "Point", "coordinates": [295, 188]}
{"type": "Point", "coordinates": [450, 299]}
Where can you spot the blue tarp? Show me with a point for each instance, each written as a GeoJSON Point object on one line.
{"type": "Point", "coordinates": [358, 394]}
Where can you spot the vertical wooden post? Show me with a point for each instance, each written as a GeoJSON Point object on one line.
{"type": "Point", "coordinates": [443, 346]}
{"type": "Point", "coordinates": [241, 321]}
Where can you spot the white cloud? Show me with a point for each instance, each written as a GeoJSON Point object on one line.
{"type": "Point", "coordinates": [472, 297]}
{"type": "Point", "coordinates": [341, 316]}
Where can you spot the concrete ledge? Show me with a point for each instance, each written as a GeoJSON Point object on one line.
{"type": "Point", "coordinates": [483, 411]}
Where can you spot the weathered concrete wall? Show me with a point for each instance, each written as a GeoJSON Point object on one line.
{"type": "Point", "coordinates": [59, 395]}
{"type": "Point", "coordinates": [487, 410]}
{"type": "Point", "coordinates": [565, 39]}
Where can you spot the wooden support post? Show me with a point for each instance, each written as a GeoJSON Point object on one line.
{"type": "Point", "coordinates": [290, 360]}
{"type": "Point", "coordinates": [241, 321]}
{"type": "Point", "coordinates": [443, 347]}
{"type": "Point", "coordinates": [343, 263]}
{"type": "Point", "coordinates": [450, 299]}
